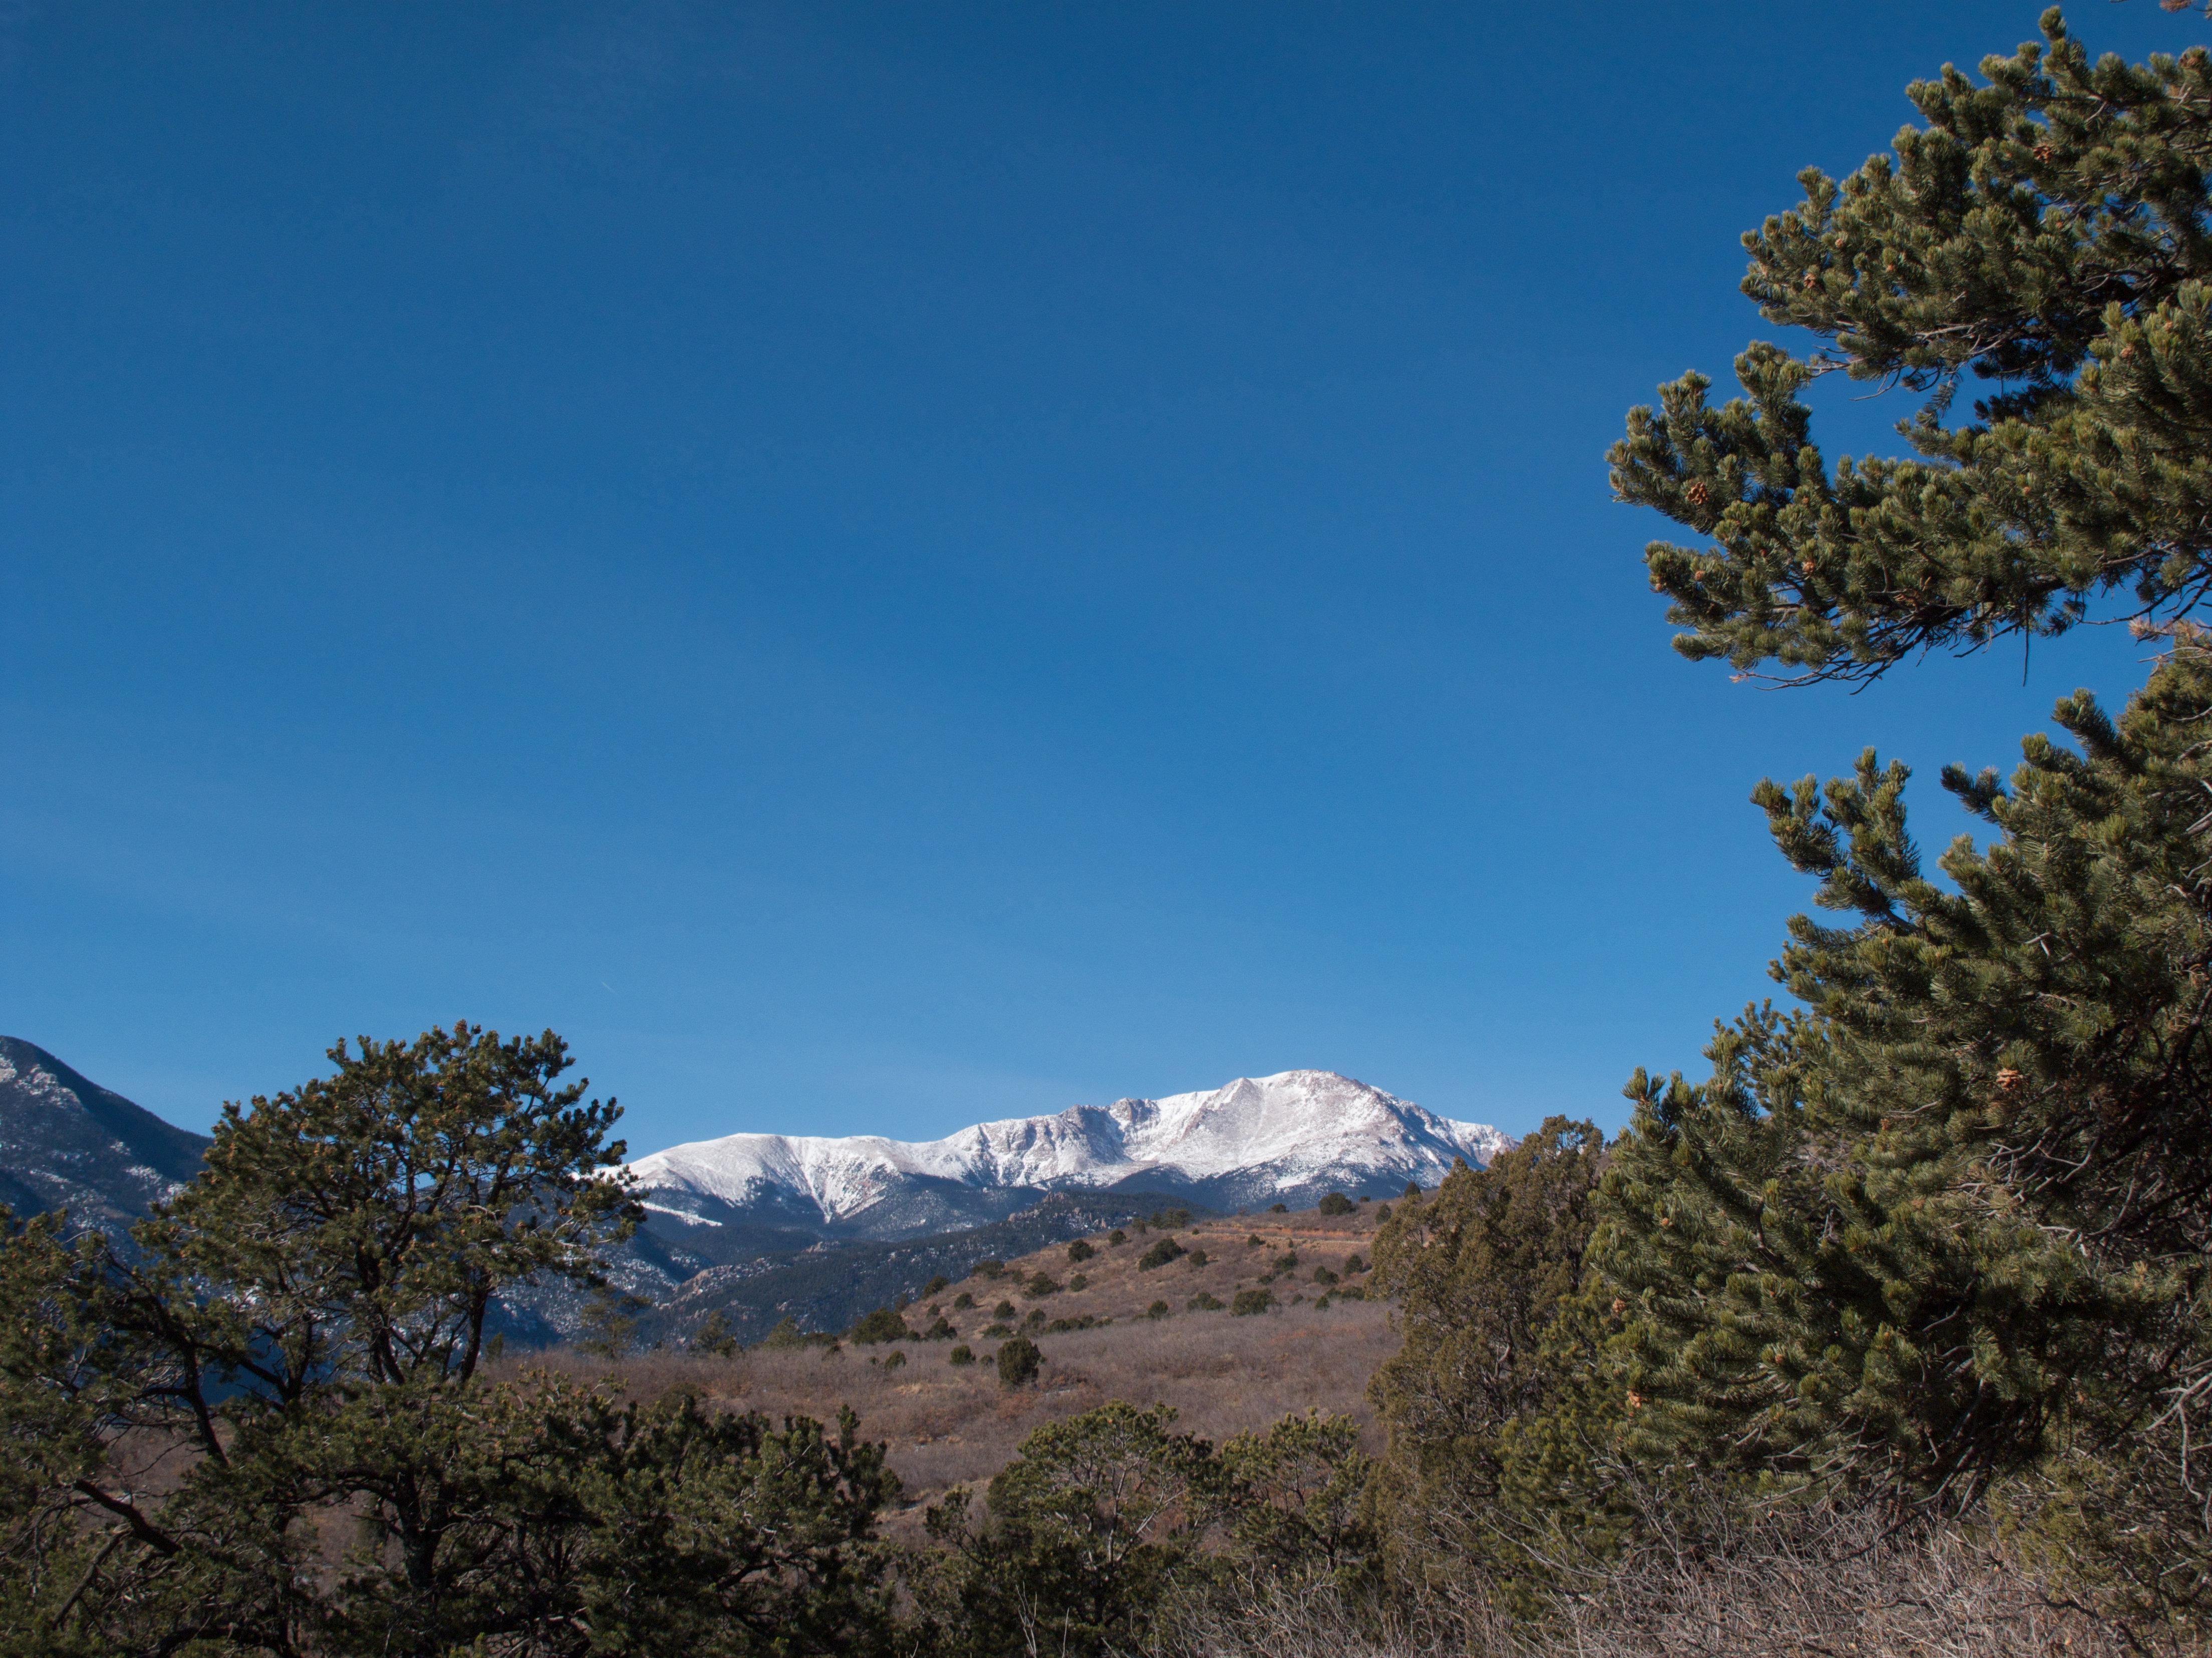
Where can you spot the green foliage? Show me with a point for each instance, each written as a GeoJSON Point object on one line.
{"type": "Point", "coordinates": [964, 1354]}
{"type": "Point", "coordinates": [1297, 1501]}
{"type": "Point", "coordinates": [299, 1331]}
{"type": "Point", "coordinates": [1004, 1309]}
{"type": "Point", "coordinates": [1198, 1258]}
{"type": "Point", "coordinates": [936, 1285]}
{"type": "Point", "coordinates": [1203, 1302]}
{"type": "Point", "coordinates": [1107, 1526]}
{"type": "Point", "coordinates": [1286, 1263]}
{"type": "Point", "coordinates": [990, 1269]}
{"type": "Point", "coordinates": [1248, 1301]}
{"type": "Point", "coordinates": [1158, 1310]}
{"type": "Point", "coordinates": [1335, 1203]}
{"type": "Point", "coordinates": [785, 1335]}
{"type": "Point", "coordinates": [715, 1336]}
{"type": "Point", "coordinates": [1039, 1284]}
{"type": "Point", "coordinates": [1278, 1208]}
{"type": "Point", "coordinates": [1084, 1538]}
{"type": "Point", "coordinates": [879, 1325]}
{"type": "Point", "coordinates": [1947, 1227]}
{"type": "Point", "coordinates": [1354, 1264]}
{"type": "Point", "coordinates": [1489, 1406]}
{"type": "Point", "coordinates": [1019, 1361]}
{"type": "Point", "coordinates": [2043, 232]}
{"type": "Point", "coordinates": [1162, 1251]}
{"type": "Point", "coordinates": [1080, 1251]}
{"type": "Point", "coordinates": [963, 1301]}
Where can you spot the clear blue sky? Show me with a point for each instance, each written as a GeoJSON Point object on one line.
{"type": "Point", "coordinates": [880, 566]}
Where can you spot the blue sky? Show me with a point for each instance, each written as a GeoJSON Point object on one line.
{"type": "Point", "coordinates": [881, 566]}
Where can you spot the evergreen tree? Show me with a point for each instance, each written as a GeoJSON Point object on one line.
{"type": "Point", "coordinates": [1085, 1538]}
{"type": "Point", "coordinates": [2046, 235]}
{"type": "Point", "coordinates": [1949, 1223]}
{"type": "Point", "coordinates": [289, 1361]}
{"type": "Point", "coordinates": [1492, 1406]}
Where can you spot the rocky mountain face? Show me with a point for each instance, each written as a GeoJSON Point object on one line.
{"type": "Point", "coordinates": [67, 1143]}
{"type": "Point", "coordinates": [1285, 1139]}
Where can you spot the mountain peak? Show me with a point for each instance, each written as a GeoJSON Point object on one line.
{"type": "Point", "coordinates": [1290, 1136]}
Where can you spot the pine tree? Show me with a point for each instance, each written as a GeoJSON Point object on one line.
{"type": "Point", "coordinates": [297, 1342]}
{"type": "Point", "coordinates": [2045, 234]}
{"type": "Point", "coordinates": [1949, 1225]}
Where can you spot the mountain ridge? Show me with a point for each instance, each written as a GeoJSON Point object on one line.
{"type": "Point", "coordinates": [67, 1143]}
{"type": "Point", "coordinates": [1287, 1137]}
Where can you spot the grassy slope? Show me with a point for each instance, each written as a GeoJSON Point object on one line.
{"type": "Point", "coordinates": [947, 1424]}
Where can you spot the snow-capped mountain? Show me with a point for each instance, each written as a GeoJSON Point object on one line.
{"type": "Point", "coordinates": [1288, 1137]}
{"type": "Point", "coordinates": [67, 1143]}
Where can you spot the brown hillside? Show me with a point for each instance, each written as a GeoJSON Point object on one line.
{"type": "Point", "coordinates": [1224, 1372]}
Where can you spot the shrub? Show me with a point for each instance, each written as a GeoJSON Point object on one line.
{"type": "Point", "coordinates": [1322, 1275]}
{"type": "Point", "coordinates": [990, 1269]}
{"type": "Point", "coordinates": [715, 1336]}
{"type": "Point", "coordinates": [1382, 1211]}
{"type": "Point", "coordinates": [1117, 1237]}
{"type": "Point", "coordinates": [1018, 1362]}
{"type": "Point", "coordinates": [964, 1354]}
{"type": "Point", "coordinates": [1004, 1309]}
{"type": "Point", "coordinates": [1412, 1189]}
{"type": "Point", "coordinates": [894, 1361]}
{"type": "Point", "coordinates": [1287, 1263]}
{"type": "Point", "coordinates": [1080, 1251]}
{"type": "Point", "coordinates": [1158, 1310]}
{"type": "Point", "coordinates": [1039, 1284]}
{"type": "Point", "coordinates": [1203, 1302]}
{"type": "Point", "coordinates": [1161, 1253]}
{"type": "Point", "coordinates": [882, 1325]}
{"type": "Point", "coordinates": [1198, 1257]}
{"type": "Point", "coordinates": [1166, 1218]}
{"type": "Point", "coordinates": [994, 1331]}
{"type": "Point", "coordinates": [1256, 1242]}
{"type": "Point", "coordinates": [1079, 1283]}
{"type": "Point", "coordinates": [1352, 1292]}
{"type": "Point", "coordinates": [1074, 1321]}
{"type": "Point", "coordinates": [1248, 1301]}
{"type": "Point", "coordinates": [937, 1286]}
{"type": "Point", "coordinates": [1278, 1208]}
{"type": "Point", "coordinates": [940, 1330]}
{"type": "Point", "coordinates": [786, 1334]}
{"type": "Point", "coordinates": [1335, 1204]}
{"type": "Point", "coordinates": [1035, 1319]}
{"type": "Point", "coordinates": [1354, 1264]}
{"type": "Point", "coordinates": [963, 1301]}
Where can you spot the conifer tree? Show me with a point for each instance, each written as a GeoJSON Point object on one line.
{"type": "Point", "coordinates": [288, 1366]}
{"type": "Point", "coordinates": [1950, 1224]}
{"type": "Point", "coordinates": [1938, 1235]}
{"type": "Point", "coordinates": [2044, 236]}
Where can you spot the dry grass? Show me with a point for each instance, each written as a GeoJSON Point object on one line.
{"type": "Point", "coordinates": [948, 1424]}
{"type": "Point", "coordinates": [1826, 1586]}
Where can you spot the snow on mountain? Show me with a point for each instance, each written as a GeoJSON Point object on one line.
{"type": "Point", "coordinates": [1292, 1136]}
